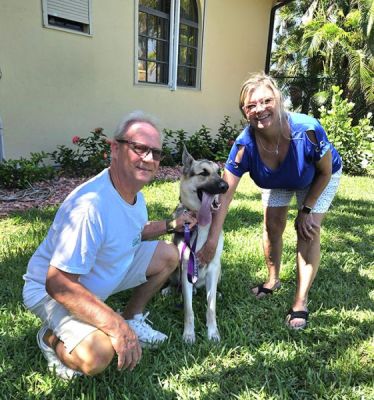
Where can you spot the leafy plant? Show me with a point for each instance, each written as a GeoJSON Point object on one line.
{"type": "Point", "coordinates": [90, 157]}
{"type": "Point", "coordinates": [200, 144]}
{"type": "Point", "coordinates": [173, 146]}
{"type": "Point", "coordinates": [225, 139]}
{"type": "Point", "coordinates": [354, 143]}
{"type": "Point", "coordinates": [23, 172]}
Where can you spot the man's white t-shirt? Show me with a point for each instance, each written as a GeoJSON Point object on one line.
{"type": "Point", "coordinates": [94, 234]}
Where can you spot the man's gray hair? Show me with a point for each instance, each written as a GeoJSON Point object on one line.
{"type": "Point", "coordinates": [134, 118]}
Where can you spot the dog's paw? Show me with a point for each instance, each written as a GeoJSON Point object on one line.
{"type": "Point", "coordinates": [214, 335]}
{"type": "Point", "coordinates": [189, 337]}
{"type": "Point", "coordinates": [167, 291]}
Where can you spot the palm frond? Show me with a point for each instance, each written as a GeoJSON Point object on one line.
{"type": "Point", "coordinates": [361, 75]}
{"type": "Point", "coordinates": [321, 97]}
{"type": "Point", "coordinates": [370, 18]}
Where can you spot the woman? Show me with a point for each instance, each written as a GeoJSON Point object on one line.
{"type": "Point", "coordinates": [285, 154]}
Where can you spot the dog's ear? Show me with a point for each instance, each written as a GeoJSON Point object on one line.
{"type": "Point", "coordinates": [187, 160]}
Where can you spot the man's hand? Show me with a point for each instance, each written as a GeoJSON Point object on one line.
{"type": "Point", "coordinates": [67, 290]}
{"type": "Point", "coordinates": [127, 347]}
{"type": "Point", "coordinates": [187, 217]}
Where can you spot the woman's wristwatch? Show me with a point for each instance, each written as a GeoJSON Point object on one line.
{"type": "Point", "coordinates": [306, 209]}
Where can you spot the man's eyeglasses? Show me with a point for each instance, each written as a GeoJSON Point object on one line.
{"type": "Point", "coordinates": [251, 108]}
{"type": "Point", "coordinates": [142, 150]}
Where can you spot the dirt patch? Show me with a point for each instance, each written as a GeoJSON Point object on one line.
{"type": "Point", "coordinates": [53, 192]}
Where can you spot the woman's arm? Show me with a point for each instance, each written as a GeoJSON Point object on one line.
{"type": "Point", "coordinates": [322, 178]}
{"type": "Point", "coordinates": [206, 253]}
{"type": "Point", "coordinates": [304, 223]}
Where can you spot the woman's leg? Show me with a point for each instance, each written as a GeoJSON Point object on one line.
{"type": "Point", "coordinates": [275, 219]}
{"type": "Point", "coordinates": [308, 251]}
{"type": "Point", "coordinates": [308, 260]}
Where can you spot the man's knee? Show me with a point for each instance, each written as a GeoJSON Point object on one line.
{"type": "Point", "coordinates": [95, 353]}
{"type": "Point", "coordinates": [170, 255]}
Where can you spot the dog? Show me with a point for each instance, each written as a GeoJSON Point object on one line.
{"type": "Point", "coordinates": [200, 186]}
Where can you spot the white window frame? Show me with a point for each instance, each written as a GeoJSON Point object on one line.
{"type": "Point", "coordinates": [173, 47]}
{"type": "Point", "coordinates": [48, 10]}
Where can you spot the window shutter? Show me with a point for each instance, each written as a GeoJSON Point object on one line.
{"type": "Point", "coordinates": [73, 10]}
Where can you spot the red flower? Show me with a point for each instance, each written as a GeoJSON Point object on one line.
{"type": "Point", "coordinates": [230, 142]}
{"type": "Point", "coordinates": [75, 139]}
{"type": "Point", "coordinates": [105, 156]}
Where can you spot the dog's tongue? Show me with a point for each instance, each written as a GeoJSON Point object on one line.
{"type": "Point", "coordinates": [204, 216]}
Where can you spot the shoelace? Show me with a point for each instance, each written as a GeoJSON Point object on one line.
{"type": "Point", "coordinates": [144, 319]}
{"type": "Point", "coordinates": [141, 320]}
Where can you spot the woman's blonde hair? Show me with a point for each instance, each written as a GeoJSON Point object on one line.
{"type": "Point", "coordinates": [261, 79]}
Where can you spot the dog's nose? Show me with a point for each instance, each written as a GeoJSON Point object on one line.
{"type": "Point", "coordinates": [223, 186]}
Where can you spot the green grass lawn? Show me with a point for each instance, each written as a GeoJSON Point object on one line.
{"type": "Point", "coordinates": [258, 357]}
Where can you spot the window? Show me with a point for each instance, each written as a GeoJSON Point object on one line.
{"type": "Point", "coordinates": [72, 15]}
{"type": "Point", "coordinates": [168, 37]}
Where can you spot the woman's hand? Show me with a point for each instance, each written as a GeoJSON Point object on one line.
{"type": "Point", "coordinates": [305, 226]}
{"type": "Point", "coordinates": [207, 252]}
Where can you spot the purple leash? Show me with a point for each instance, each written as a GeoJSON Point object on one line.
{"type": "Point", "coordinates": [192, 268]}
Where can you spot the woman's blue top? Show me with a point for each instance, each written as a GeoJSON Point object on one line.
{"type": "Point", "coordinates": [298, 168]}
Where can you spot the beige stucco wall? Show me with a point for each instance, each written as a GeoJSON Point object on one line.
{"type": "Point", "coordinates": [57, 84]}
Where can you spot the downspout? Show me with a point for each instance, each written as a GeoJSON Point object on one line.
{"type": "Point", "coordinates": [271, 31]}
{"type": "Point", "coordinates": [2, 150]}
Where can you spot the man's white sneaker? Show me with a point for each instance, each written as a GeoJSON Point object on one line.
{"type": "Point", "coordinates": [148, 337]}
{"type": "Point", "coordinates": [54, 363]}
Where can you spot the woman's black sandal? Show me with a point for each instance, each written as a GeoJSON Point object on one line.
{"type": "Point", "coordinates": [297, 314]}
{"type": "Point", "coordinates": [261, 289]}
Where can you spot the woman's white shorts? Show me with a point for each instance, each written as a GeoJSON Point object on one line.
{"type": "Point", "coordinates": [282, 197]}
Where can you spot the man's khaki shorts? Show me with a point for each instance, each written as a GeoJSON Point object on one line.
{"type": "Point", "coordinates": [70, 330]}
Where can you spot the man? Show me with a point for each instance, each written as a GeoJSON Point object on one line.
{"type": "Point", "coordinates": [95, 247]}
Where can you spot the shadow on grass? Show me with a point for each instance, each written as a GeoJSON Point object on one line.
{"type": "Point", "coordinates": [41, 214]}
{"type": "Point", "coordinates": [248, 196]}
{"type": "Point", "coordinates": [158, 211]}
{"type": "Point", "coordinates": [357, 211]}
{"type": "Point", "coordinates": [241, 217]}
{"type": "Point", "coordinates": [257, 354]}
{"type": "Point", "coordinates": [264, 357]}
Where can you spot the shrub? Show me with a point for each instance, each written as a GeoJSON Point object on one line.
{"type": "Point", "coordinates": [172, 146]}
{"type": "Point", "coordinates": [355, 144]}
{"type": "Point", "coordinates": [225, 139]}
{"type": "Point", "coordinates": [200, 144]}
{"type": "Point", "coordinates": [23, 172]}
{"type": "Point", "coordinates": [91, 156]}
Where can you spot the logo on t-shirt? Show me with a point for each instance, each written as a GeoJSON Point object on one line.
{"type": "Point", "coordinates": [137, 240]}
